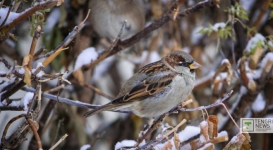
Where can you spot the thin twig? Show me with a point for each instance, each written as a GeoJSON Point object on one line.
{"type": "Point", "coordinates": [98, 91]}
{"type": "Point", "coordinates": [36, 36]}
{"type": "Point", "coordinates": [4, 30]}
{"type": "Point", "coordinates": [155, 25]}
{"type": "Point", "coordinates": [62, 139]}
{"type": "Point", "coordinates": [67, 40]}
{"type": "Point", "coordinates": [34, 130]}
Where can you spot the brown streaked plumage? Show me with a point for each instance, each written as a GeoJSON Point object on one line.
{"type": "Point", "coordinates": [157, 87]}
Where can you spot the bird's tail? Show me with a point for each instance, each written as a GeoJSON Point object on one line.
{"type": "Point", "coordinates": [108, 106]}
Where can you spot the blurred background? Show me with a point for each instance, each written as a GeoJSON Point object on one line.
{"type": "Point", "coordinates": [239, 32]}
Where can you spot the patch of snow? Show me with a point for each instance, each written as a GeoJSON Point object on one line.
{"type": "Point", "coordinates": [186, 147]}
{"type": "Point", "coordinates": [202, 139]}
{"type": "Point", "coordinates": [21, 70]}
{"type": "Point", "coordinates": [270, 43]}
{"type": "Point", "coordinates": [259, 104]}
{"type": "Point", "coordinates": [225, 61]}
{"type": "Point", "coordinates": [217, 26]}
{"type": "Point", "coordinates": [102, 68]}
{"type": "Point", "coordinates": [247, 4]}
{"type": "Point", "coordinates": [159, 146]}
{"type": "Point", "coordinates": [52, 19]}
{"type": "Point", "coordinates": [142, 143]}
{"type": "Point", "coordinates": [243, 90]}
{"type": "Point", "coordinates": [26, 99]}
{"type": "Point", "coordinates": [85, 147]}
{"type": "Point", "coordinates": [85, 57]}
{"type": "Point", "coordinates": [268, 57]}
{"type": "Point", "coordinates": [125, 143]}
{"type": "Point", "coordinates": [205, 146]}
{"type": "Point", "coordinates": [14, 103]}
{"type": "Point", "coordinates": [196, 36]}
{"type": "Point", "coordinates": [153, 57]}
{"type": "Point", "coordinates": [252, 43]}
{"type": "Point", "coordinates": [3, 15]}
{"type": "Point", "coordinates": [188, 132]}
{"type": "Point", "coordinates": [40, 74]}
{"type": "Point", "coordinates": [6, 83]}
{"type": "Point", "coordinates": [203, 124]}
{"type": "Point", "coordinates": [222, 133]}
{"type": "Point", "coordinates": [191, 2]}
{"type": "Point", "coordinates": [39, 64]}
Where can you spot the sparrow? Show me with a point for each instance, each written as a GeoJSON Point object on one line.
{"type": "Point", "coordinates": [108, 16]}
{"type": "Point", "coordinates": [156, 88]}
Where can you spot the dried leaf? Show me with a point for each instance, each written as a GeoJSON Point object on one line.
{"type": "Point", "coordinates": [176, 140]}
{"type": "Point", "coordinates": [26, 60]}
{"type": "Point", "coordinates": [208, 146]}
{"type": "Point", "coordinates": [255, 57]}
{"type": "Point", "coordinates": [156, 8]}
{"type": "Point", "coordinates": [213, 126]}
{"type": "Point", "coordinates": [195, 144]}
{"type": "Point", "coordinates": [59, 2]}
{"type": "Point", "coordinates": [204, 130]}
{"type": "Point", "coordinates": [246, 145]}
{"type": "Point", "coordinates": [168, 146]}
{"type": "Point", "coordinates": [53, 56]}
{"type": "Point", "coordinates": [27, 76]}
{"type": "Point", "coordinates": [252, 85]}
{"type": "Point", "coordinates": [236, 142]}
{"type": "Point", "coordinates": [222, 137]}
{"type": "Point", "coordinates": [78, 74]}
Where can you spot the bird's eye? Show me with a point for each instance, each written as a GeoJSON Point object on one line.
{"type": "Point", "coordinates": [182, 63]}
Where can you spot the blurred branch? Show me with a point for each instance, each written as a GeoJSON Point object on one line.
{"type": "Point", "coordinates": [51, 55]}
{"type": "Point", "coordinates": [98, 91]}
{"type": "Point", "coordinates": [155, 25]}
{"type": "Point", "coordinates": [6, 63]}
{"type": "Point", "coordinates": [4, 30]}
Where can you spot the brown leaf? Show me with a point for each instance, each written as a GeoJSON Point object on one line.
{"type": "Point", "coordinates": [27, 76]}
{"type": "Point", "coordinates": [213, 126]}
{"type": "Point", "coordinates": [26, 60]}
{"type": "Point", "coordinates": [168, 146]}
{"type": "Point", "coordinates": [255, 57]}
{"type": "Point", "coordinates": [222, 137]}
{"type": "Point", "coordinates": [208, 146]}
{"type": "Point", "coordinates": [236, 142]}
{"type": "Point", "coordinates": [78, 74]}
{"type": "Point", "coordinates": [156, 8]}
{"type": "Point", "coordinates": [204, 130]}
{"type": "Point", "coordinates": [176, 140]}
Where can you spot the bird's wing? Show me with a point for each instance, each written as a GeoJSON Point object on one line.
{"type": "Point", "coordinates": [148, 87]}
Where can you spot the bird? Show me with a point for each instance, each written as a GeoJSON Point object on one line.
{"type": "Point", "coordinates": [157, 87]}
{"type": "Point", "coordinates": [108, 16]}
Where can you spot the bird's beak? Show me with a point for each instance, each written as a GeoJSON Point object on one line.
{"type": "Point", "coordinates": [195, 65]}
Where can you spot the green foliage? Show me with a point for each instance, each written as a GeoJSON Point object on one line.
{"type": "Point", "coordinates": [222, 32]}
{"type": "Point", "coordinates": [37, 19]}
{"type": "Point", "coordinates": [238, 11]}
